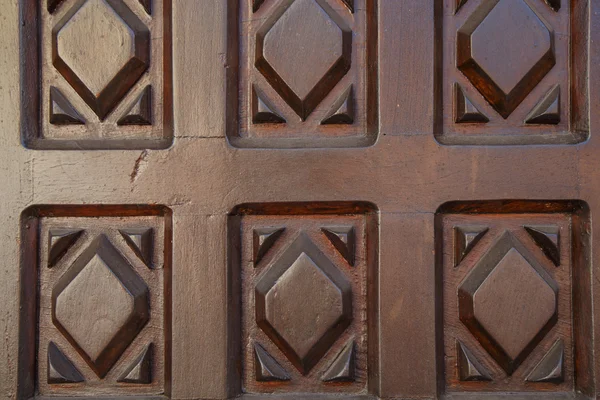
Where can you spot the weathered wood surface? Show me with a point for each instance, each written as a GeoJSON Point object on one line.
{"type": "Point", "coordinates": [406, 175]}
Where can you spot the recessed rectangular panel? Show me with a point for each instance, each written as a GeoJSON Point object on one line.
{"type": "Point", "coordinates": [512, 287]}
{"type": "Point", "coordinates": [96, 74]}
{"type": "Point", "coordinates": [102, 303]}
{"type": "Point", "coordinates": [512, 71]}
{"type": "Point", "coordinates": [306, 73]}
{"type": "Point", "coordinates": [307, 289]}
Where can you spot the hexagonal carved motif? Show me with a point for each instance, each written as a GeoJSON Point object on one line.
{"type": "Point", "coordinates": [101, 73]}
{"type": "Point", "coordinates": [505, 62]}
{"type": "Point", "coordinates": [508, 292]}
{"type": "Point", "coordinates": [100, 304]}
{"type": "Point", "coordinates": [304, 74]}
{"type": "Point", "coordinates": [303, 303]}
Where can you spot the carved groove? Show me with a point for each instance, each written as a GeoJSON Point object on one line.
{"type": "Point", "coordinates": [349, 4]}
{"type": "Point", "coordinates": [266, 368]}
{"type": "Point", "coordinates": [262, 113]}
{"type": "Point", "coordinates": [459, 4]}
{"type": "Point", "coordinates": [60, 368]}
{"type": "Point", "coordinates": [464, 109]}
{"type": "Point", "coordinates": [551, 367]}
{"type": "Point", "coordinates": [62, 111]}
{"type": "Point", "coordinates": [140, 371]}
{"type": "Point", "coordinates": [263, 240]}
{"type": "Point", "coordinates": [147, 4]}
{"type": "Point", "coordinates": [60, 241]}
{"type": "Point", "coordinates": [256, 4]}
{"type": "Point", "coordinates": [342, 111]}
{"type": "Point", "coordinates": [469, 368]}
{"type": "Point", "coordinates": [342, 238]}
{"type": "Point", "coordinates": [547, 111]}
{"type": "Point", "coordinates": [140, 112]}
{"type": "Point", "coordinates": [547, 238]}
{"type": "Point", "coordinates": [342, 368]}
{"type": "Point", "coordinates": [141, 241]}
{"type": "Point", "coordinates": [465, 238]}
{"type": "Point", "coordinates": [53, 5]}
{"type": "Point", "coordinates": [554, 4]}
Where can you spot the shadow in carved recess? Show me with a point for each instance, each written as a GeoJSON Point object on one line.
{"type": "Point", "coordinates": [141, 370]}
{"type": "Point", "coordinates": [60, 368]}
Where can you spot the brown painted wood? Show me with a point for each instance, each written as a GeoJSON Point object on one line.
{"type": "Point", "coordinates": [299, 198]}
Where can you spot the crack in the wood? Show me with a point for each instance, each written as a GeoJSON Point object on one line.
{"type": "Point", "coordinates": [139, 166]}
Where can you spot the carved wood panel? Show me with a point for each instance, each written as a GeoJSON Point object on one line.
{"type": "Point", "coordinates": [345, 123]}
{"type": "Point", "coordinates": [306, 282]}
{"type": "Point", "coordinates": [103, 299]}
{"type": "Point", "coordinates": [306, 73]}
{"type": "Point", "coordinates": [514, 289]}
{"type": "Point", "coordinates": [98, 74]}
{"type": "Point", "coordinates": [512, 71]}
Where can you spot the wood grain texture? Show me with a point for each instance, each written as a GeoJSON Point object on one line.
{"type": "Point", "coordinates": [202, 178]}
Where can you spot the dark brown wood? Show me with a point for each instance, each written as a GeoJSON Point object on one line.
{"type": "Point", "coordinates": [107, 307]}
{"type": "Point", "coordinates": [514, 63]}
{"type": "Point", "coordinates": [305, 323]}
{"type": "Point", "coordinates": [507, 305]}
{"type": "Point", "coordinates": [305, 73]}
{"type": "Point", "coordinates": [97, 60]}
{"type": "Point", "coordinates": [302, 199]}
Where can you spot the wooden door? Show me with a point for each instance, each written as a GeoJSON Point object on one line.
{"type": "Point", "coordinates": [206, 199]}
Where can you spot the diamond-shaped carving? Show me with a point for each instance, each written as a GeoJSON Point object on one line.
{"type": "Point", "coordinates": [101, 48]}
{"type": "Point", "coordinates": [303, 52]}
{"type": "Point", "coordinates": [100, 305]}
{"type": "Point", "coordinates": [303, 303]}
{"type": "Point", "coordinates": [508, 302]}
{"type": "Point", "coordinates": [505, 50]}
